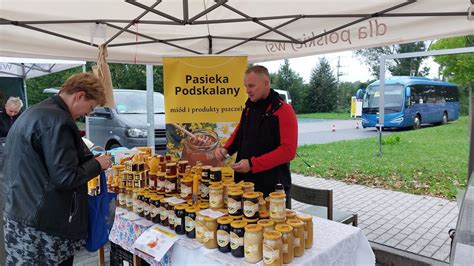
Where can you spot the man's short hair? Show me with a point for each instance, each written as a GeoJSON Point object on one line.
{"type": "Point", "coordinates": [257, 69]}
{"type": "Point", "coordinates": [14, 102]}
{"type": "Point", "coordinates": [88, 83]}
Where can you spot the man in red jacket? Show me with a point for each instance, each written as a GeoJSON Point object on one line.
{"type": "Point", "coordinates": [266, 137]}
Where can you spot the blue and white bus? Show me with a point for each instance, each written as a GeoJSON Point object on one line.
{"type": "Point", "coordinates": [410, 102]}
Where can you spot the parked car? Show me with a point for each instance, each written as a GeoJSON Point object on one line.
{"type": "Point", "coordinates": [125, 125]}
{"type": "Point", "coordinates": [285, 95]}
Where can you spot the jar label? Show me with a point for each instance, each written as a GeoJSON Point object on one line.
{"type": "Point", "coordinates": [188, 224]}
{"type": "Point", "coordinates": [152, 183]}
{"type": "Point", "coordinates": [122, 200]}
{"type": "Point", "coordinates": [160, 185]}
{"type": "Point", "coordinates": [277, 211]}
{"type": "Point", "coordinates": [171, 217]}
{"type": "Point", "coordinates": [154, 211]}
{"type": "Point", "coordinates": [222, 238]}
{"type": "Point", "coordinates": [163, 214]}
{"type": "Point", "coordinates": [199, 230]}
{"type": "Point", "coordinates": [139, 207]}
{"type": "Point", "coordinates": [249, 249]}
{"type": "Point", "coordinates": [146, 208]}
{"type": "Point", "coordinates": [185, 191]}
{"type": "Point", "coordinates": [305, 235]}
{"type": "Point", "coordinates": [207, 235]}
{"type": "Point", "coordinates": [233, 206]}
{"type": "Point", "coordinates": [215, 200]}
{"type": "Point", "coordinates": [235, 241]}
{"type": "Point", "coordinates": [204, 191]}
{"type": "Point", "coordinates": [285, 248]}
{"type": "Point", "coordinates": [250, 208]}
{"type": "Point", "coordinates": [177, 221]}
{"type": "Point", "coordinates": [270, 254]}
{"type": "Point", "coordinates": [296, 242]}
{"type": "Point", "coordinates": [129, 201]}
{"type": "Point", "coordinates": [170, 186]}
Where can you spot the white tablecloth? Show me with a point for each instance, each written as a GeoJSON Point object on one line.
{"type": "Point", "coordinates": [334, 244]}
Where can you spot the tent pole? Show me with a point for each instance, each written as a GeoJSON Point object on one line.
{"type": "Point", "coordinates": [26, 93]}
{"type": "Point", "coordinates": [150, 108]}
{"type": "Point", "coordinates": [381, 101]}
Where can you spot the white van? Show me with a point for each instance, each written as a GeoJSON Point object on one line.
{"type": "Point", "coordinates": [285, 95]}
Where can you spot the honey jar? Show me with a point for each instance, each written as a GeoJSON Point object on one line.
{"type": "Point", "coordinates": [308, 229]}
{"type": "Point", "coordinates": [298, 236]}
{"type": "Point", "coordinates": [250, 205]}
{"type": "Point", "coordinates": [287, 239]}
{"type": "Point", "coordinates": [253, 240]}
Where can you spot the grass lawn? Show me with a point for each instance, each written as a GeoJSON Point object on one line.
{"type": "Point", "coordinates": [431, 161]}
{"type": "Point", "coordinates": [326, 115]}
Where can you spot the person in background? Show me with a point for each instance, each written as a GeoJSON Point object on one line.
{"type": "Point", "coordinates": [9, 114]}
{"type": "Point", "coordinates": [266, 137]}
{"type": "Point", "coordinates": [46, 170]}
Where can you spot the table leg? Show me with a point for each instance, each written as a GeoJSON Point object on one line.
{"type": "Point", "coordinates": [101, 255]}
{"type": "Point", "coordinates": [137, 261]}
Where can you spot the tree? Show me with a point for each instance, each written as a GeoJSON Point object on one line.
{"type": "Point", "coordinates": [287, 79]}
{"type": "Point", "coordinates": [124, 76]}
{"type": "Point", "coordinates": [397, 67]}
{"type": "Point", "coordinates": [458, 68]}
{"type": "Point", "coordinates": [322, 91]}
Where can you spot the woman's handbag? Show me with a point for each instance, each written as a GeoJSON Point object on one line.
{"type": "Point", "coordinates": [100, 216]}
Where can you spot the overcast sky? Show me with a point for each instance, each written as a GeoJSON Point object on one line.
{"type": "Point", "coordinates": [351, 68]}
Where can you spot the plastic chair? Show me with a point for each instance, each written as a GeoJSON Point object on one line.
{"type": "Point", "coordinates": [322, 202]}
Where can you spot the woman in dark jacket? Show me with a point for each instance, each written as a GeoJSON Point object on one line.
{"type": "Point", "coordinates": [46, 170]}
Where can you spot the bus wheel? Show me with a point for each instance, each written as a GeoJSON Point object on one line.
{"type": "Point", "coordinates": [417, 122]}
{"type": "Point", "coordinates": [444, 121]}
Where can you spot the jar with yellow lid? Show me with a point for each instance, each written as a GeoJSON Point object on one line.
{"type": "Point", "coordinates": [234, 202]}
{"type": "Point", "coordinates": [200, 225]}
{"type": "Point", "coordinates": [287, 239]}
{"type": "Point", "coordinates": [250, 205]}
{"type": "Point", "coordinates": [171, 169]}
{"type": "Point", "coordinates": [248, 186]}
{"type": "Point", "coordinates": [264, 215]}
{"type": "Point", "coordinates": [155, 208]}
{"type": "Point", "coordinates": [272, 248]}
{"type": "Point", "coordinates": [164, 212]}
{"type": "Point", "coordinates": [267, 202]}
{"type": "Point", "coordinates": [186, 188]}
{"type": "Point", "coordinates": [298, 236]}
{"type": "Point", "coordinates": [223, 233]}
{"type": "Point", "coordinates": [277, 205]}
{"type": "Point", "coordinates": [190, 222]}
{"type": "Point", "coordinates": [282, 221]}
{"type": "Point", "coordinates": [237, 238]}
{"type": "Point", "coordinates": [205, 172]}
{"type": "Point", "coordinates": [179, 220]}
{"type": "Point", "coordinates": [308, 229]}
{"type": "Point", "coordinates": [216, 196]}
{"type": "Point", "coordinates": [266, 224]}
{"type": "Point", "coordinates": [253, 240]}
{"type": "Point", "coordinates": [290, 214]}
{"type": "Point", "coordinates": [215, 174]}
{"type": "Point", "coordinates": [160, 183]}
{"type": "Point", "coordinates": [209, 232]}
{"type": "Point", "coordinates": [171, 215]}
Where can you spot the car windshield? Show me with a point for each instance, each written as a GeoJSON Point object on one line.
{"type": "Point", "coordinates": [134, 102]}
{"type": "Point", "coordinates": [393, 98]}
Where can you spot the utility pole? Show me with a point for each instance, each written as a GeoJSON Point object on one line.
{"type": "Point", "coordinates": [338, 74]}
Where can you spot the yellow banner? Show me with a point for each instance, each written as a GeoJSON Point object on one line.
{"type": "Point", "coordinates": [204, 88]}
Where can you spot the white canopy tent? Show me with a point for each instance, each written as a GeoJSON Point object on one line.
{"type": "Point", "coordinates": [144, 31]}
{"type": "Point", "coordinates": [27, 68]}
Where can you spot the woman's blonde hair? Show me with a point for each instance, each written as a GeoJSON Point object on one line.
{"type": "Point", "coordinates": [88, 83]}
{"type": "Point", "coordinates": [14, 102]}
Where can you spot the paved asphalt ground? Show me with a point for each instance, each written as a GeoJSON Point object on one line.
{"type": "Point", "coordinates": [319, 131]}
